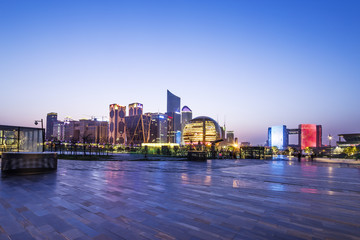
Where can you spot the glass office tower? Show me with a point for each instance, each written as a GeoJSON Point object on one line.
{"type": "Point", "coordinates": [51, 118]}
{"type": "Point", "coordinates": [186, 115]}
{"type": "Point", "coordinates": [173, 111]}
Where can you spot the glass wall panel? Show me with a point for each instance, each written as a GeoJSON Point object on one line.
{"type": "Point", "coordinates": [20, 139]}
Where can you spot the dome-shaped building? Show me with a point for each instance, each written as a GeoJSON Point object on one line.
{"type": "Point", "coordinates": [201, 129]}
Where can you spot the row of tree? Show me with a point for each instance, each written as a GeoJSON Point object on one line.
{"type": "Point", "coordinates": [351, 151]}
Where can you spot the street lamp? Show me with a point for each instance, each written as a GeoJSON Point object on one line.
{"type": "Point", "coordinates": [37, 122]}
{"type": "Point", "coordinates": [43, 132]}
{"type": "Point", "coordinates": [330, 137]}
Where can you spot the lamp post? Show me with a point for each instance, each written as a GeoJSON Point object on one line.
{"type": "Point", "coordinates": [330, 137]}
{"type": "Point", "coordinates": [43, 132]}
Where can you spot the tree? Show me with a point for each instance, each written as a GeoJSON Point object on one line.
{"type": "Point", "coordinates": [290, 150]}
{"type": "Point", "coordinates": [308, 150]}
{"type": "Point", "coordinates": [86, 139]}
{"type": "Point", "coordinates": [349, 151]}
{"type": "Point", "coordinates": [275, 150]}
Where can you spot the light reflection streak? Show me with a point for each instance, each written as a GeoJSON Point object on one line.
{"type": "Point", "coordinates": [240, 184]}
{"type": "Point", "coordinates": [276, 187]}
{"type": "Point", "coordinates": [196, 180]}
{"type": "Point", "coordinates": [309, 190]}
{"type": "Point", "coordinates": [208, 167]}
{"type": "Point", "coordinates": [207, 180]}
{"type": "Point", "coordinates": [309, 170]}
{"type": "Point", "coordinates": [277, 168]}
{"type": "Point", "coordinates": [330, 170]}
{"type": "Point", "coordinates": [184, 178]}
{"type": "Point", "coordinates": [236, 183]}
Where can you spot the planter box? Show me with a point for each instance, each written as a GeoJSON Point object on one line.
{"type": "Point", "coordinates": [28, 163]}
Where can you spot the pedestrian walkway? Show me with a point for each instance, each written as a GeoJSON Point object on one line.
{"type": "Point", "coordinates": [217, 199]}
{"type": "Point", "coordinates": [338, 160]}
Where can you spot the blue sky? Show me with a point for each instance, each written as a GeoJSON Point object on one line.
{"type": "Point", "coordinates": [253, 63]}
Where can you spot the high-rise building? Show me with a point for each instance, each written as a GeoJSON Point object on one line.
{"type": "Point", "coordinates": [72, 132]}
{"type": "Point", "coordinates": [51, 118]}
{"type": "Point", "coordinates": [318, 135]}
{"type": "Point", "coordinates": [173, 111]}
{"type": "Point", "coordinates": [59, 131]}
{"type": "Point", "coordinates": [86, 131]}
{"type": "Point", "coordinates": [186, 116]}
{"type": "Point", "coordinates": [310, 136]}
{"type": "Point", "coordinates": [278, 137]}
{"type": "Point", "coordinates": [230, 138]}
{"type": "Point", "coordinates": [158, 128]}
{"type": "Point", "coordinates": [170, 138]}
{"type": "Point", "coordinates": [137, 129]}
{"type": "Point", "coordinates": [117, 126]}
{"type": "Point", "coordinates": [222, 131]}
{"type": "Point", "coordinates": [102, 132]}
{"type": "Point", "coordinates": [135, 109]}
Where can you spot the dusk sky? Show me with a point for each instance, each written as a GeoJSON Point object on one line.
{"type": "Point", "coordinates": [252, 63]}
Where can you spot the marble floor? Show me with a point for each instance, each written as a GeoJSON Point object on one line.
{"type": "Point", "coordinates": [217, 199]}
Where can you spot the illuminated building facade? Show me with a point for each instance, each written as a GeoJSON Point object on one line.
{"type": "Point", "coordinates": [138, 129]}
{"type": "Point", "coordinates": [170, 138]}
{"type": "Point", "coordinates": [86, 131]}
{"type": "Point", "coordinates": [158, 128]}
{"type": "Point", "coordinates": [59, 131]}
{"type": "Point", "coordinates": [20, 139]}
{"type": "Point", "coordinates": [173, 111]}
{"type": "Point", "coordinates": [186, 116]}
{"type": "Point", "coordinates": [348, 140]}
{"type": "Point", "coordinates": [51, 118]}
{"type": "Point", "coordinates": [117, 127]}
{"type": "Point", "coordinates": [72, 133]}
{"type": "Point", "coordinates": [230, 138]}
{"type": "Point", "coordinates": [318, 135]}
{"type": "Point", "coordinates": [201, 130]}
{"type": "Point", "coordinates": [101, 132]}
{"type": "Point", "coordinates": [223, 129]}
{"type": "Point", "coordinates": [278, 137]}
{"type": "Point", "coordinates": [310, 136]}
{"type": "Point", "coordinates": [135, 109]}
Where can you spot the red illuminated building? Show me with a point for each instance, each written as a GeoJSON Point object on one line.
{"type": "Point", "coordinates": [310, 136]}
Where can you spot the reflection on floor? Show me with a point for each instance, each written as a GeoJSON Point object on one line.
{"type": "Point", "coordinates": [217, 199]}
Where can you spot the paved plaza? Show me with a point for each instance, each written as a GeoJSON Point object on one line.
{"type": "Point", "coordinates": [217, 199]}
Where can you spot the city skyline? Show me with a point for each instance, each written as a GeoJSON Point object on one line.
{"type": "Point", "coordinates": [250, 64]}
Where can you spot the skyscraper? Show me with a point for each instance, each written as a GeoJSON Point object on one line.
{"type": "Point", "coordinates": [117, 134]}
{"type": "Point", "coordinates": [51, 118]}
{"type": "Point", "coordinates": [186, 116]}
{"type": "Point", "coordinates": [137, 129]}
{"type": "Point", "coordinates": [173, 111]}
{"type": "Point", "coordinates": [318, 135]}
{"type": "Point", "coordinates": [158, 128]}
{"type": "Point", "coordinates": [230, 137]}
{"type": "Point", "coordinates": [59, 131]}
{"type": "Point", "coordinates": [135, 109]}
